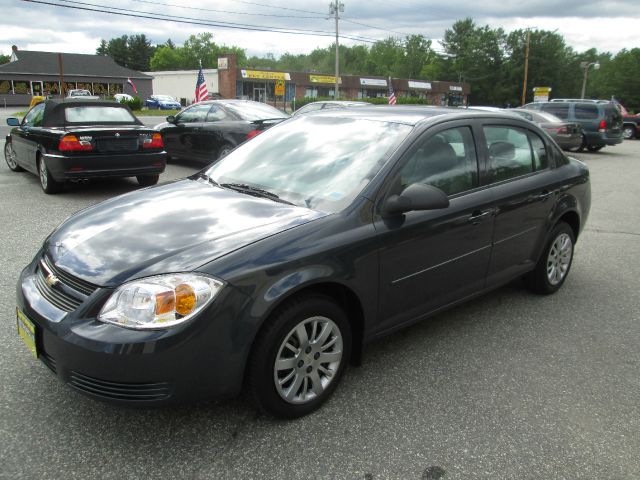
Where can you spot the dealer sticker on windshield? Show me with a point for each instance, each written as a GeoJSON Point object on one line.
{"type": "Point", "coordinates": [27, 330]}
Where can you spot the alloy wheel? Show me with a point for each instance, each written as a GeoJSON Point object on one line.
{"type": "Point", "coordinates": [559, 259]}
{"type": "Point", "coordinates": [10, 156]}
{"type": "Point", "coordinates": [308, 360]}
{"type": "Point", "coordinates": [44, 180]}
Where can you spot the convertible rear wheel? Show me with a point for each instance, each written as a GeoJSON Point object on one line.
{"type": "Point", "coordinates": [47, 182]}
{"type": "Point", "coordinates": [11, 158]}
{"type": "Point", "coordinates": [147, 180]}
{"type": "Point", "coordinates": [554, 264]}
{"type": "Point", "coordinates": [299, 357]}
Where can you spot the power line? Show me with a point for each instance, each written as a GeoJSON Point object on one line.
{"type": "Point", "coordinates": [186, 20]}
{"type": "Point", "coordinates": [231, 12]}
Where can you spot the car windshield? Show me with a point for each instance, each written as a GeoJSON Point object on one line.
{"type": "Point", "coordinates": [164, 98]}
{"type": "Point", "coordinates": [319, 162]}
{"type": "Point", "coordinates": [254, 111]}
{"type": "Point", "coordinates": [98, 114]}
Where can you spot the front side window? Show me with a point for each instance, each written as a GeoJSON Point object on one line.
{"type": "Point", "coordinates": [34, 117]}
{"type": "Point", "coordinates": [197, 113]}
{"type": "Point", "coordinates": [216, 114]}
{"type": "Point", "coordinates": [511, 154]}
{"type": "Point", "coordinates": [446, 160]}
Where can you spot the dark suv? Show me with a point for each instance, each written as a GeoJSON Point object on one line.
{"type": "Point", "coordinates": [601, 121]}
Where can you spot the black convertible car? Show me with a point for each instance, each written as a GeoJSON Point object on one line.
{"type": "Point", "coordinates": [77, 139]}
{"type": "Point", "coordinates": [209, 130]}
{"type": "Point", "coordinates": [277, 264]}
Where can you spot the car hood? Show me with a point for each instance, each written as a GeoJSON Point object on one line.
{"type": "Point", "coordinates": [171, 228]}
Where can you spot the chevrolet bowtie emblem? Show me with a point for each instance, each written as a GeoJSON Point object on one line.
{"type": "Point", "coordinates": [117, 134]}
{"type": "Point", "coordinates": [52, 280]}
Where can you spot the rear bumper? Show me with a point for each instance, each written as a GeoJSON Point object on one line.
{"type": "Point", "coordinates": [567, 142]}
{"type": "Point", "coordinates": [599, 139]}
{"type": "Point", "coordinates": [63, 167]}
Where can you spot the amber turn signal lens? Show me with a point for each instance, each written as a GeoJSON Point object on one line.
{"type": "Point", "coordinates": [185, 299]}
{"type": "Point", "coordinates": [165, 302]}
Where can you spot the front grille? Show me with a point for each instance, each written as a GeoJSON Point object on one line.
{"type": "Point", "coordinates": [68, 294]}
{"type": "Point", "coordinates": [120, 391]}
{"type": "Point", "coordinates": [117, 144]}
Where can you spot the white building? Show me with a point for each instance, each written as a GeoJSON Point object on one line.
{"type": "Point", "coordinates": [182, 83]}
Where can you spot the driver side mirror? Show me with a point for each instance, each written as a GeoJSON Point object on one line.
{"type": "Point", "coordinates": [171, 119]}
{"type": "Point", "coordinates": [417, 196]}
{"type": "Point", "coordinates": [13, 122]}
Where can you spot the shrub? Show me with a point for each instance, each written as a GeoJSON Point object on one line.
{"type": "Point", "coordinates": [135, 104]}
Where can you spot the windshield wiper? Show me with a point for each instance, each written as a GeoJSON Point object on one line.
{"type": "Point", "coordinates": [208, 179]}
{"type": "Point", "coordinates": [256, 191]}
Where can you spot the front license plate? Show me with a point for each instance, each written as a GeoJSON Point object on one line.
{"type": "Point", "coordinates": [27, 330]}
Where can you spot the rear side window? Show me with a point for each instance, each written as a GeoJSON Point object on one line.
{"type": "Point", "coordinates": [560, 110]}
{"type": "Point", "coordinates": [512, 153]}
{"type": "Point", "coordinates": [586, 111]}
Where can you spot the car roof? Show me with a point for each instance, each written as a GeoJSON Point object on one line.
{"type": "Point", "coordinates": [53, 110]}
{"type": "Point", "coordinates": [411, 114]}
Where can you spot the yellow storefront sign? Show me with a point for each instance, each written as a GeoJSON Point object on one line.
{"type": "Point", "coordinates": [279, 90]}
{"type": "Point", "coordinates": [261, 75]}
{"type": "Point", "coordinates": [324, 79]}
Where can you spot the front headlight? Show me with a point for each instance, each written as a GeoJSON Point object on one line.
{"type": "Point", "coordinates": [159, 302]}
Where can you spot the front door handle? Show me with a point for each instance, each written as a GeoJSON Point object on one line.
{"type": "Point", "coordinates": [544, 195]}
{"type": "Point", "coordinates": [477, 216]}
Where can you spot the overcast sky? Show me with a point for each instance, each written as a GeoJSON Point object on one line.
{"type": "Point", "coordinates": [608, 25]}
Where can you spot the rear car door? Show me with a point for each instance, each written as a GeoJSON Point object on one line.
{"type": "Point", "coordinates": [431, 258]}
{"type": "Point", "coordinates": [520, 179]}
{"type": "Point", "coordinates": [214, 133]}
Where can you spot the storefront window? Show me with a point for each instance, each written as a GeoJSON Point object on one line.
{"type": "Point", "coordinates": [51, 88]}
{"type": "Point", "coordinates": [370, 93]}
{"type": "Point", "coordinates": [115, 88]}
{"type": "Point", "coordinates": [5, 86]}
{"type": "Point", "coordinates": [22, 88]}
{"type": "Point", "coordinates": [69, 86]}
{"type": "Point", "coordinates": [100, 88]}
{"type": "Point", "coordinates": [85, 86]}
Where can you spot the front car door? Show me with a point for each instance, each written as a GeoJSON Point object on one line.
{"type": "Point", "coordinates": [182, 139]}
{"type": "Point", "coordinates": [518, 170]}
{"type": "Point", "coordinates": [25, 138]}
{"type": "Point", "coordinates": [429, 259]}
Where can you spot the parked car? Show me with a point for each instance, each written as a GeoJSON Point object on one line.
{"type": "Point", "coordinates": [209, 130]}
{"type": "Point", "coordinates": [123, 97]}
{"type": "Point", "coordinates": [273, 267]}
{"type": "Point", "coordinates": [79, 92]}
{"type": "Point", "coordinates": [327, 104]}
{"type": "Point", "coordinates": [600, 120]}
{"type": "Point", "coordinates": [631, 126]}
{"type": "Point", "coordinates": [162, 102]}
{"type": "Point", "coordinates": [78, 139]}
{"type": "Point", "coordinates": [568, 135]}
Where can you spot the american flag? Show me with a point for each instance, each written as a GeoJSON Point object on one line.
{"type": "Point", "coordinates": [201, 88]}
{"type": "Point", "coordinates": [392, 96]}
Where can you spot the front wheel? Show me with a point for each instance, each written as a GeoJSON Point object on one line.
{"type": "Point", "coordinates": [553, 266]}
{"type": "Point", "coordinates": [147, 180]}
{"type": "Point", "coordinates": [47, 182]}
{"type": "Point", "coordinates": [299, 357]}
{"type": "Point", "coordinates": [11, 158]}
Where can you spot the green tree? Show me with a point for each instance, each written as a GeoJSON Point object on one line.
{"type": "Point", "coordinates": [118, 49]}
{"type": "Point", "coordinates": [102, 49]}
{"type": "Point", "coordinates": [140, 52]}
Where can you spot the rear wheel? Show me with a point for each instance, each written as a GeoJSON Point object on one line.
{"type": "Point", "coordinates": [299, 357]}
{"type": "Point", "coordinates": [582, 145]}
{"type": "Point", "coordinates": [147, 180]}
{"type": "Point", "coordinates": [629, 132]}
{"type": "Point", "coordinates": [595, 148]}
{"type": "Point", "coordinates": [47, 182]}
{"type": "Point", "coordinates": [224, 150]}
{"type": "Point", "coordinates": [553, 266]}
{"type": "Point", "coordinates": [11, 157]}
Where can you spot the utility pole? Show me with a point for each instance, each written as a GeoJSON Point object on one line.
{"type": "Point", "coordinates": [585, 66]}
{"type": "Point", "coordinates": [335, 8]}
{"type": "Point", "coordinates": [526, 68]}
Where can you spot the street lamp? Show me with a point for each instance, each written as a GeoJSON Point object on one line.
{"type": "Point", "coordinates": [585, 66]}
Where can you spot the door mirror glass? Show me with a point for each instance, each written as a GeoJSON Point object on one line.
{"type": "Point", "coordinates": [417, 196]}
{"type": "Point", "coordinates": [171, 119]}
{"type": "Point", "coordinates": [13, 122]}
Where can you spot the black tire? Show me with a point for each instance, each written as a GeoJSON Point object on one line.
{"type": "Point", "coordinates": [147, 180]}
{"type": "Point", "coordinates": [595, 148]}
{"type": "Point", "coordinates": [582, 145]}
{"type": "Point", "coordinates": [10, 157]}
{"type": "Point", "coordinates": [224, 150]}
{"type": "Point", "coordinates": [47, 182]}
{"type": "Point", "coordinates": [552, 261]}
{"type": "Point", "coordinates": [629, 132]}
{"type": "Point", "coordinates": [310, 312]}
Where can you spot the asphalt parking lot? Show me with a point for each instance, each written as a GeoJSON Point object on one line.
{"type": "Point", "coordinates": [509, 386]}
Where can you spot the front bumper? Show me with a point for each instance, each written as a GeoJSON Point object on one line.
{"type": "Point", "coordinates": [70, 167]}
{"type": "Point", "coordinates": [202, 359]}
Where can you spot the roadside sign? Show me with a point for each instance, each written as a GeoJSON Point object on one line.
{"type": "Point", "coordinates": [541, 94]}
{"type": "Point", "coordinates": [279, 88]}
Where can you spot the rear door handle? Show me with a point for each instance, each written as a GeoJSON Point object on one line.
{"type": "Point", "coordinates": [544, 195]}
